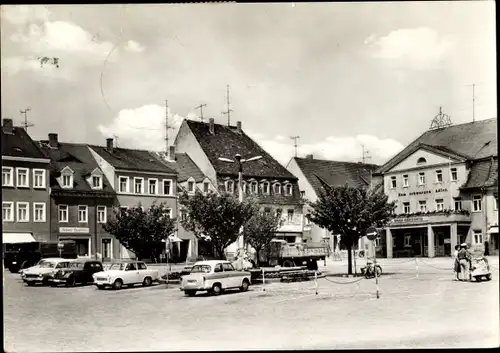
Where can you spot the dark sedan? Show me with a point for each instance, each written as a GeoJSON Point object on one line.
{"type": "Point", "coordinates": [80, 271]}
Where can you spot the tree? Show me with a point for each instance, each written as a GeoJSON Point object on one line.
{"type": "Point", "coordinates": [142, 232]}
{"type": "Point", "coordinates": [216, 217]}
{"type": "Point", "coordinates": [350, 211]}
{"type": "Point", "coordinates": [260, 230]}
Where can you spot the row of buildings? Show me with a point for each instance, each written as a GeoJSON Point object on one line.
{"type": "Point", "coordinates": [445, 185]}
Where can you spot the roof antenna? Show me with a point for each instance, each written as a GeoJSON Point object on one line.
{"type": "Point", "coordinates": [26, 124]}
{"type": "Point", "coordinates": [295, 138]}
{"type": "Point", "coordinates": [228, 111]}
{"type": "Point", "coordinates": [201, 110]}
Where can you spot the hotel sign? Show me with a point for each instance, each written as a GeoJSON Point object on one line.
{"type": "Point", "coordinates": [424, 192]}
{"type": "Point", "coordinates": [409, 220]}
{"type": "Point", "coordinates": [74, 230]}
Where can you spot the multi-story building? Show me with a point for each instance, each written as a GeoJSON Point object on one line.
{"type": "Point", "coordinates": [272, 184]}
{"type": "Point", "coordinates": [25, 187]}
{"type": "Point", "coordinates": [314, 173]}
{"type": "Point", "coordinates": [138, 177]}
{"type": "Point", "coordinates": [445, 185]}
{"type": "Point", "coordinates": [81, 199]}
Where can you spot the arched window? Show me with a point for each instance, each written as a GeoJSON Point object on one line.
{"type": "Point", "coordinates": [421, 160]}
{"type": "Point", "coordinates": [277, 188]}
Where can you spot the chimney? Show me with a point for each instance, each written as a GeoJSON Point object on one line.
{"type": "Point", "coordinates": [238, 126]}
{"type": "Point", "coordinates": [211, 122]}
{"type": "Point", "coordinates": [109, 145]}
{"type": "Point", "coordinates": [53, 142]}
{"type": "Point", "coordinates": [8, 126]}
{"type": "Point", "coordinates": [171, 153]}
{"type": "Point", "coordinates": [309, 156]}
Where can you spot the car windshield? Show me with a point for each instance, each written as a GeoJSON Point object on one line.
{"type": "Point", "coordinates": [200, 269]}
{"type": "Point", "coordinates": [47, 264]}
{"type": "Point", "coordinates": [119, 267]}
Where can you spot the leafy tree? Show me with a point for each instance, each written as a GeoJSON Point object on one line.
{"type": "Point", "coordinates": [141, 231]}
{"type": "Point", "coordinates": [216, 217]}
{"type": "Point", "coordinates": [260, 230]}
{"type": "Point", "coordinates": [350, 211]}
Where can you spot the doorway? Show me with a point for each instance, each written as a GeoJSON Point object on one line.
{"type": "Point", "coordinates": [106, 251]}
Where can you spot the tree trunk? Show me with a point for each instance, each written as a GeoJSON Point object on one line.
{"type": "Point", "coordinates": [257, 254]}
{"type": "Point", "coordinates": [349, 259]}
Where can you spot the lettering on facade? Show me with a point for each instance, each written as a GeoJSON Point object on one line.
{"type": "Point", "coordinates": [401, 194]}
{"type": "Point", "coordinates": [410, 220]}
{"type": "Point", "coordinates": [420, 192]}
{"type": "Point", "coordinates": [73, 230]}
{"type": "Point", "coordinates": [441, 190]}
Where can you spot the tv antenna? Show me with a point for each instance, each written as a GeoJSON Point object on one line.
{"type": "Point", "coordinates": [473, 101]}
{"type": "Point", "coordinates": [26, 124]}
{"type": "Point", "coordinates": [295, 145]}
{"type": "Point", "coordinates": [167, 126]}
{"type": "Point", "coordinates": [228, 111]}
{"type": "Point", "coordinates": [200, 107]}
{"type": "Point", "coordinates": [441, 120]}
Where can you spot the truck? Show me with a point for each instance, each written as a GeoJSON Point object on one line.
{"type": "Point", "coordinates": [287, 254]}
{"type": "Point", "coordinates": [24, 255]}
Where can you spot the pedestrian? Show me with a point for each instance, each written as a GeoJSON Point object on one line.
{"type": "Point", "coordinates": [464, 259]}
{"type": "Point", "coordinates": [486, 248]}
{"type": "Point", "coordinates": [456, 263]}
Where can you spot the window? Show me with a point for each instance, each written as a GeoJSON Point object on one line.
{"type": "Point", "coordinates": [495, 204]}
{"type": "Point", "coordinates": [254, 187]}
{"type": "Point", "coordinates": [393, 182]}
{"type": "Point", "coordinates": [138, 185]}
{"type": "Point", "coordinates": [289, 189]}
{"type": "Point", "coordinates": [101, 214]}
{"type": "Point", "coordinates": [476, 203]}
{"type": "Point", "coordinates": [218, 268]}
{"type": "Point", "coordinates": [421, 160]}
{"type": "Point", "coordinates": [302, 194]}
{"type": "Point", "coordinates": [227, 267]}
{"type": "Point", "coordinates": [407, 242]}
{"type": "Point", "coordinates": [406, 207]}
{"type": "Point", "coordinates": [167, 187]}
{"type": "Point", "coordinates": [279, 211]}
{"type": "Point", "coordinates": [406, 182]}
{"type": "Point", "coordinates": [39, 178]}
{"type": "Point", "coordinates": [183, 215]}
{"type": "Point", "coordinates": [23, 212]}
{"type": "Point", "coordinates": [265, 188]}
{"type": "Point", "coordinates": [63, 213]}
{"type": "Point", "coordinates": [123, 181]}
{"type": "Point", "coordinates": [8, 211]}
{"type": "Point", "coordinates": [153, 186]}
{"type": "Point", "coordinates": [229, 186]}
{"type": "Point", "coordinates": [168, 212]}
{"type": "Point", "coordinates": [421, 178]}
{"type": "Point", "coordinates": [454, 175]}
{"type": "Point", "coordinates": [439, 176]}
{"type": "Point", "coordinates": [478, 237]}
{"type": "Point", "coordinates": [439, 205]}
{"type": "Point", "coordinates": [67, 180]}
{"type": "Point", "coordinates": [206, 187]}
{"type": "Point", "coordinates": [82, 214]}
{"type": "Point", "coordinates": [96, 182]}
{"type": "Point", "coordinates": [290, 216]}
{"type": "Point", "coordinates": [38, 211]}
{"type": "Point", "coordinates": [142, 266]}
{"type": "Point", "coordinates": [190, 186]}
{"type": "Point", "coordinates": [7, 176]}
{"type": "Point", "coordinates": [457, 202]}
{"type": "Point", "coordinates": [22, 178]}
{"type": "Point", "coordinates": [130, 267]}
{"type": "Point", "coordinates": [422, 206]}
{"type": "Point", "coordinates": [277, 189]}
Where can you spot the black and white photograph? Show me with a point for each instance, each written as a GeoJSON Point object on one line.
{"type": "Point", "coordinates": [226, 176]}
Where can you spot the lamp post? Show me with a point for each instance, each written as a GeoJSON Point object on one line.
{"type": "Point", "coordinates": [240, 161]}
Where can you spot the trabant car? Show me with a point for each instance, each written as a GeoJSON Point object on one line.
{"type": "Point", "coordinates": [125, 273]}
{"type": "Point", "coordinates": [79, 271]}
{"type": "Point", "coordinates": [480, 269]}
{"type": "Point", "coordinates": [214, 276]}
{"type": "Point", "coordinates": [44, 271]}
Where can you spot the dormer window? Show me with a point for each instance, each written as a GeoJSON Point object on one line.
{"type": "Point", "coordinates": [265, 188]}
{"type": "Point", "coordinates": [254, 187]}
{"type": "Point", "coordinates": [277, 188]}
{"type": "Point", "coordinates": [96, 182]}
{"type": "Point", "coordinates": [289, 189]}
{"type": "Point", "coordinates": [206, 187]}
{"type": "Point", "coordinates": [67, 178]}
{"type": "Point", "coordinates": [229, 186]}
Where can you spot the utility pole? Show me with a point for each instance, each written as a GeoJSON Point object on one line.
{"type": "Point", "coordinates": [26, 124]}
{"type": "Point", "coordinates": [166, 126]}
{"type": "Point", "coordinates": [295, 138]}
{"type": "Point", "coordinates": [201, 110]}
{"type": "Point", "coordinates": [228, 111]}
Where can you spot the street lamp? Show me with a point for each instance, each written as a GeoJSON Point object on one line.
{"type": "Point", "coordinates": [240, 162]}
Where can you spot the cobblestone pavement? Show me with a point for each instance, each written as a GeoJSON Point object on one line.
{"type": "Point", "coordinates": [424, 311]}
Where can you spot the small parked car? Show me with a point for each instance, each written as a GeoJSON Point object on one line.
{"type": "Point", "coordinates": [79, 271]}
{"type": "Point", "coordinates": [214, 276]}
{"type": "Point", "coordinates": [125, 273]}
{"type": "Point", "coordinates": [44, 270]}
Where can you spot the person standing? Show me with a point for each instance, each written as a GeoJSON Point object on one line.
{"type": "Point", "coordinates": [464, 259]}
{"type": "Point", "coordinates": [456, 263]}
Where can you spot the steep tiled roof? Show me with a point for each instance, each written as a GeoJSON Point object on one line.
{"type": "Point", "coordinates": [227, 142]}
{"type": "Point", "coordinates": [483, 173]}
{"type": "Point", "coordinates": [334, 173]}
{"type": "Point", "coordinates": [129, 159]}
{"type": "Point", "coordinates": [474, 140]}
{"type": "Point", "coordinates": [20, 144]}
{"type": "Point", "coordinates": [183, 166]}
{"type": "Point", "coordinates": [79, 159]}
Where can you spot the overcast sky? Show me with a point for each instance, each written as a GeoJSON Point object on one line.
{"type": "Point", "coordinates": [338, 75]}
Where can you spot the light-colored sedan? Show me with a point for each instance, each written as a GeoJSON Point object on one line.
{"type": "Point", "coordinates": [125, 273]}
{"type": "Point", "coordinates": [44, 271]}
{"type": "Point", "coordinates": [214, 276]}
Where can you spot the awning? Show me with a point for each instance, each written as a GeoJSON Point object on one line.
{"type": "Point", "coordinates": [290, 228]}
{"type": "Point", "coordinates": [17, 238]}
{"type": "Point", "coordinates": [493, 230]}
{"type": "Point", "coordinates": [174, 239]}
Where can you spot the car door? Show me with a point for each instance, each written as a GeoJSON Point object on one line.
{"type": "Point", "coordinates": [96, 267]}
{"type": "Point", "coordinates": [231, 276]}
{"type": "Point", "coordinates": [219, 275]}
{"type": "Point", "coordinates": [143, 271]}
{"type": "Point", "coordinates": [131, 274]}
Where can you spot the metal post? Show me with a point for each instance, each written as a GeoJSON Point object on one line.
{"type": "Point", "coordinates": [241, 240]}
{"type": "Point", "coordinates": [316, 281]}
{"type": "Point", "coordinates": [375, 268]}
{"type": "Point", "coordinates": [263, 280]}
{"type": "Point", "coordinates": [166, 256]}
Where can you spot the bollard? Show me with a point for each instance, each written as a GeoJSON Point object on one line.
{"type": "Point", "coordinates": [416, 265]}
{"type": "Point", "coordinates": [263, 280]}
{"type": "Point", "coordinates": [316, 281]}
{"type": "Point", "coordinates": [376, 281]}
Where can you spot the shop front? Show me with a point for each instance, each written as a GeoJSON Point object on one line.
{"type": "Point", "coordinates": [81, 236]}
{"type": "Point", "coordinates": [493, 240]}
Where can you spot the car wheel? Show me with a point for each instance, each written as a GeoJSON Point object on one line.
{"type": "Point", "coordinates": [477, 278]}
{"type": "Point", "coordinates": [71, 281]}
{"type": "Point", "coordinates": [488, 277]}
{"type": "Point", "coordinates": [147, 282]}
{"type": "Point", "coordinates": [190, 293]}
{"type": "Point", "coordinates": [117, 284]}
{"type": "Point", "coordinates": [288, 263]}
{"type": "Point", "coordinates": [100, 287]}
{"type": "Point", "coordinates": [45, 281]}
{"type": "Point", "coordinates": [244, 285]}
{"type": "Point", "coordinates": [216, 289]}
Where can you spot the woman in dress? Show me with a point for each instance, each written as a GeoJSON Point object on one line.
{"type": "Point", "coordinates": [456, 263]}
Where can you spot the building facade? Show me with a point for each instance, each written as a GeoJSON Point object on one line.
{"type": "Point", "coordinates": [444, 184]}
{"type": "Point", "coordinates": [25, 187]}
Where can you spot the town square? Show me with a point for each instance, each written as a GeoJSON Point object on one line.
{"type": "Point", "coordinates": [185, 177]}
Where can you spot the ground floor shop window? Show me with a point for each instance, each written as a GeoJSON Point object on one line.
{"type": "Point", "coordinates": [82, 246]}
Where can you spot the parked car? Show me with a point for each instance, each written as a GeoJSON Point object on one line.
{"type": "Point", "coordinates": [44, 270]}
{"type": "Point", "coordinates": [79, 271]}
{"type": "Point", "coordinates": [214, 276]}
{"type": "Point", "coordinates": [125, 273]}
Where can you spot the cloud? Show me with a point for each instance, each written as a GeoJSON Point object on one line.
{"type": "Point", "coordinates": [23, 14]}
{"type": "Point", "coordinates": [418, 48]}
{"type": "Point", "coordinates": [133, 46]}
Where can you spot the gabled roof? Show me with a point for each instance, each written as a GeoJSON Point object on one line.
{"type": "Point", "coordinates": [474, 140]}
{"type": "Point", "coordinates": [184, 166]}
{"type": "Point", "coordinates": [334, 173]}
{"type": "Point", "coordinates": [483, 173]}
{"type": "Point", "coordinates": [78, 158]}
{"type": "Point", "coordinates": [227, 142]}
{"type": "Point", "coordinates": [130, 159]}
{"type": "Point", "coordinates": [20, 144]}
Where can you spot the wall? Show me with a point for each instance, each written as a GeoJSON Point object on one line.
{"type": "Point", "coordinates": [411, 161]}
